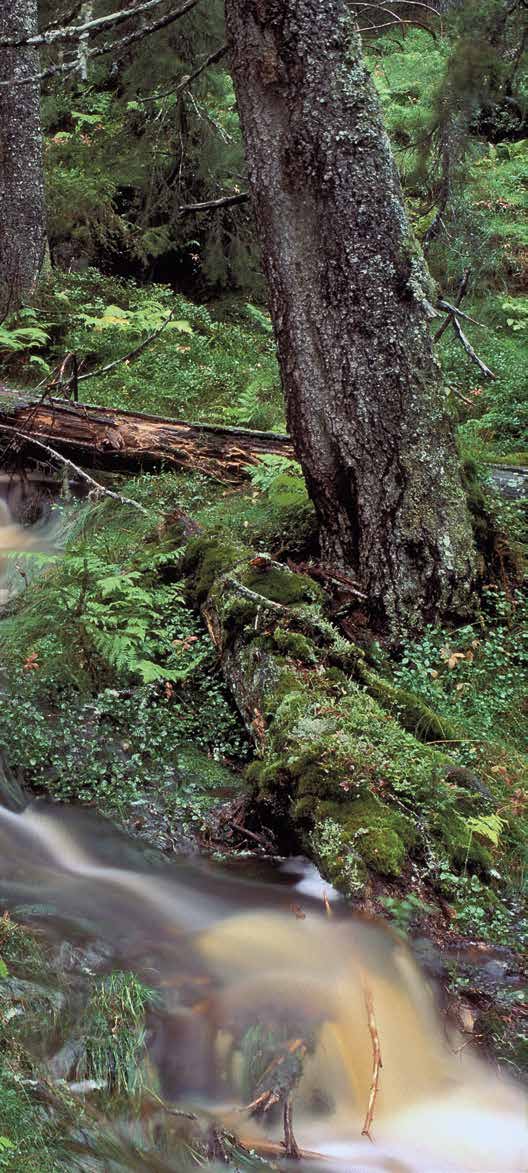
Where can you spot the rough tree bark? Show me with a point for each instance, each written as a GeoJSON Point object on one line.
{"type": "Point", "coordinates": [22, 214]}
{"type": "Point", "coordinates": [349, 299]}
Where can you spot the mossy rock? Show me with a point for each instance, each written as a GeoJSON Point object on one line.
{"type": "Point", "coordinates": [414, 714]}
{"type": "Point", "coordinates": [463, 849]}
{"type": "Point", "coordinates": [381, 836]}
{"type": "Point", "coordinates": [295, 644]}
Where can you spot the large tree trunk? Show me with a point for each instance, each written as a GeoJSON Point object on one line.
{"type": "Point", "coordinates": [22, 214]}
{"type": "Point", "coordinates": [349, 298]}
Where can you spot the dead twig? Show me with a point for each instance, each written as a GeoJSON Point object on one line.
{"type": "Point", "coordinates": [240, 197]}
{"type": "Point", "coordinates": [461, 293]}
{"type": "Point", "coordinates": [111, 46]}
{"type": "Point", "coordinates": [99, 490]}
{"type": "Point", "coordinates": [327, 574]}
{"type": "Point", "coordinates": [485, 370]}
{"type": "Point", "coordinates": [456, 312]}
{"type": "Point", "coordinates": [376, 1060]}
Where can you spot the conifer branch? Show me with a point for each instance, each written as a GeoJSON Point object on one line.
{"type": "Point", "coordinates": [75, 32]}
{"type": "Point", "coordinates": [190, 77]}
{"type": "Point", "coordinates": [108, 47]}
{"type": "Point", "coordinates": [212, 205]}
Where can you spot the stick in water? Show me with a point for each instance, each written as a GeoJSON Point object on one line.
{"type": "Point", "coordinates": [376, 1060]}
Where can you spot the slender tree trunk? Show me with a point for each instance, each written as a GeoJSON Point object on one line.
{"type": "Point", "coordinates": [349, 292]}
{"type": "Point", "coordinates": [22, 214]}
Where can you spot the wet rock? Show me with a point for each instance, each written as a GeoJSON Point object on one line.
{"type": "Point", "coordinates": [65, 1063]}
{"type": "Point", "coordinates": [12, 793]}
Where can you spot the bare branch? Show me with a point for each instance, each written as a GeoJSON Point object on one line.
{"type": "Point", "coordinates": [75, 31]}
{"type": "Point", "coordinates": [408, 3]}
{"type": "Point", "coordinates": [131, 354]}
{"type": "Point", "coordinates": [99, 489]}
{"type": "Point", "coordinates": [461, 293]}
{"type": "Point", "coordinates": [208, 205]}
{"type": "Point", "coordinates": [368, 28]}
{"type": "Point", "coordinates": [396, 18]}
{"type": "Point", "coordinates": [189, 78]}
{"type": "Point", "coordinates": [108, 47]}
{"type": "Point", "coordinates": [469, 350]}
{"type": "Point", "coordinates": [454, 309]}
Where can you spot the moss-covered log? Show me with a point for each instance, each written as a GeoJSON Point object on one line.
{"type": "Point", "coordinates": [337, 765]}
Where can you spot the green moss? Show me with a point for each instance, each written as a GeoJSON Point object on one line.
{"type": "Point", "coordinates": [381, 836]}
{"type": "Point", "coordinates": [463, 849]}
{"type": "Point", "coordinates": [336, 859]}
{"type": "Point", "coordinates": [296, 645]}
{"type": "Point", "coordinates": [414, 714]}
{"type": "Point", "coordinates": [205, 559]}
{"type": "Point", "coordinates": [237, 612]}
{"type": "Point", "coordinates": [282, 586]}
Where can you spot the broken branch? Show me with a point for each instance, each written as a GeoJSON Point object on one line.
{"type": "Point", "coordinates": [213, 205]}
{"type": "Point", "coordinates": [485, 370]}
{"type": "Point", "coordinates": [98, 488]}
{"type": "Point", "coordinates": [76, 32]}
{"type": "Point", "coordinates": [108, 47]}
{"type": "Point", "coordinates": [462, 290]}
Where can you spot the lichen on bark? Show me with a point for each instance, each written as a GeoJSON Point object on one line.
{"type": "Point", "coordinates": [350, 300]}
{"type": "Point", "coordinates": [22, 223]}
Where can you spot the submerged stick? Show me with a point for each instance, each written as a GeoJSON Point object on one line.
{"type": "Point", "coordinates": [293, 1151]}
{"type": "Point", "coordinates": [376, 1060]}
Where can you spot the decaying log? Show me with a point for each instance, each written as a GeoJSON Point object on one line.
{"type": "Point", "coordinates": [309, 700]}
{"type": "Point", "coordinates": [103, 437]}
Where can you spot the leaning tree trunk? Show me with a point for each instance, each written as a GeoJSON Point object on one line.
{"type": "Point", "coordinates": [366, 407]}
{"type": "Point", "coordinates": [22, 214]}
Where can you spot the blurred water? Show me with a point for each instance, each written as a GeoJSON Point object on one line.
{"type": "Point", "coordinates": [233, 957]}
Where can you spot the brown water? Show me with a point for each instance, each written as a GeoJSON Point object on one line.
{"type": "Point", "coordinates": [232, 954]}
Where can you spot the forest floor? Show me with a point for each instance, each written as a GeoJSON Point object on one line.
{"type": "Point", "coordinates": [205, 688]}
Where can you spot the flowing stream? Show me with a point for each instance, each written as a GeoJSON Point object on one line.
{"type": "Point", "coordinates": [234, 954]}
{"type": "Point", "coordinates": [337, 992]}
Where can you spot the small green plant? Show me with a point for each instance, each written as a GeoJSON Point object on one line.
{"type": "Point", "coordinates": [476, 675]}
{"type": "Point", "coordinates": [406, 912]}
{"type": "Point", "coordinates": [113, 1029]}
{"type": "Point", "coordinates": [281, 479]}
{"type": "Point", "coordinates": [21, 340]}
{"type": "Point", "coordinates": [517, 311]}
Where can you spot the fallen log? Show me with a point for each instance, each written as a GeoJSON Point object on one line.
{"type": "Point", "coordinates": [342, 767]}
{"type": "Point", "coordinates": [106, 438]}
